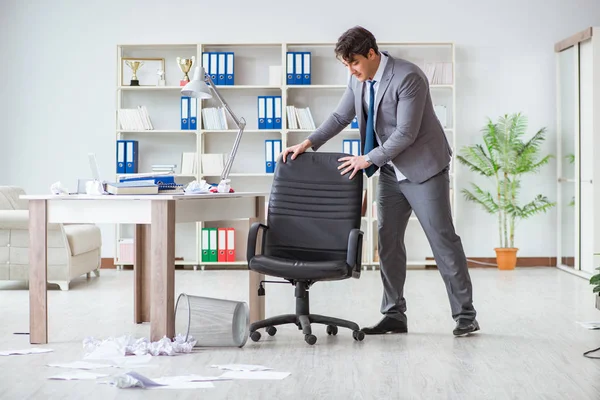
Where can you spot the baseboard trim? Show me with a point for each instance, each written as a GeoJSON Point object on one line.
{"type": "Point", "coordinates": [473, 262]}
{"type": "Point", "coordinates": [109, 263]}
{"type": "Point", "coordinates": [490, 262]}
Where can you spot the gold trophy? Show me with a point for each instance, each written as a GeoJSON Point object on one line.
{"type": "Point", "coordinates": [185, 64]}
{"type": "Point", "coordinates": [134, 65]}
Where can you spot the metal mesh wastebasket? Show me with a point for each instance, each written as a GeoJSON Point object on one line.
{"type": "Point", "coordinates": [212, 322]}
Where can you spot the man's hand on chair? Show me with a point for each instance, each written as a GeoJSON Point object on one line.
{"type": "Point", "coordinates": [296, 149]}
{"type": "Point", "coordinates": [354, 164]}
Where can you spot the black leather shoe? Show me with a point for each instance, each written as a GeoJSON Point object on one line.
{"type": "Point", "coordinates": [386, 325]}
{"type": "Point", "coordinates": [465, 326]}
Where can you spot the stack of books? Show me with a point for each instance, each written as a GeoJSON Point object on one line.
{"type": "Point", "coordinates": [166, 168]}
{"type": "Point", "coordinates": [135, 119]}
{"type": "Point", "coordinates": [132, 187]}
{"type": "Point", "coordinates": [214, 118]}
{"type": "Point", "coordinates": [300, 118]}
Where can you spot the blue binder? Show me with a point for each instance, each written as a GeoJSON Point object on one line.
{"type": "Point", "coordinates": [221, 68]}
{"type": "Point", "coordinates": [276, 152]}
{"type": "Point", "coordinates": [120, 156]}
{"type": "Point", "coordinates": [298, 68]}
{"type": "Point", "coordinates": [290, 70]}
{"type": "Point", "coordinates": [193, 113]}
{"type": "Point", "coordinates": [229, 66]}
{"type": "Point", "coordinates": [277, 113]}
{"type": "Point", "coordinates": [270, 111]}
{"type": "Point", "coordinates": [185, 113]}
{"type": "Point", "coordinates": [269, 162]}
{"type": "Point", "coordinates": [306, 63]}
{"type": "Point", "coordinates": [206, 63]}
{"type": "Point", "coordinates": [262, 112]}
{"type": "Point", "coordinates": [131, 156]}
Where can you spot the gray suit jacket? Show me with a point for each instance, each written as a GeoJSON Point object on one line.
{"type": "Point", "coordinates": [411, 135]}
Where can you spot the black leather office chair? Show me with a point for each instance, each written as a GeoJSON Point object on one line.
{"type": "Point", "coordinates": [312, 234]}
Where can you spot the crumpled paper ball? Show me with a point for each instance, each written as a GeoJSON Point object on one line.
{"type": "Point", "coordinates": [128, 345]}
{"type": "Point", "coordinates": [57, 188]}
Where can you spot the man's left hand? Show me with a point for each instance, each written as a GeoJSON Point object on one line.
{"type": "Point", "coordinates": [354, 164]}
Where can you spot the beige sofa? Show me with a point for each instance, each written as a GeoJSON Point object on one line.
{"type": "Point", "coordinates": [73, 249]}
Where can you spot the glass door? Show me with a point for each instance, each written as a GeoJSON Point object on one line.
{"type": "Point", "coordinates": [568, 254]}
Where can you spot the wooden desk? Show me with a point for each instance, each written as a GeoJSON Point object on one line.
{"type": "Point", "coordinates": [155, 217]}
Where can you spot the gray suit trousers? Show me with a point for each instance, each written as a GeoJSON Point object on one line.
{"type": "Point", "coordinates": [431, 204]}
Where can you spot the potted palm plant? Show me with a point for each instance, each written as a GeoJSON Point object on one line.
{"type": "Point", "coordinates": [504, 157]}
{"type": "Point", "coordinates": [595, 280]}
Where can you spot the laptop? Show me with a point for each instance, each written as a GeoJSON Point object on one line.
{"type": "Point", "coordinates": [95, 174]}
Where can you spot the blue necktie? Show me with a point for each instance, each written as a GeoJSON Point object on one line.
{"type": "Point", "coordinates": [370, 134]}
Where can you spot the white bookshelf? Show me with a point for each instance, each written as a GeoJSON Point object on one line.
{"type": "Point", "coordinates": [166, 143]}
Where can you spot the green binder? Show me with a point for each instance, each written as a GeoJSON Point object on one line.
{"type": "Point", "coordinates": [212, 245]}
{"type": "Point", "coordinates": [205, 245]}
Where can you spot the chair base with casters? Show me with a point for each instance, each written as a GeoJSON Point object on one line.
{"type": "Point", "coordinates": [303, 319]}
{"type": "Point", "coordinates": [312, 233]}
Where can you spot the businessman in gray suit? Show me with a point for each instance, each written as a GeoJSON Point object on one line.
{"type": "Point", "coordinates": [403, 139]}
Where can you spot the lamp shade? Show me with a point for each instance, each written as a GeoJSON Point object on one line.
{"type": "Point", "coordinates": [197, 87]}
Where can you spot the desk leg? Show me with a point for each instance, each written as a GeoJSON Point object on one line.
{"type": "Point", "coordinates": [141, 273]}
{"type": "Point", "coordinates": [162, 313]}
{"type": "Point", "coordinates": [38, 272]}
{"type": "Point", "coordinates": [257, 303]}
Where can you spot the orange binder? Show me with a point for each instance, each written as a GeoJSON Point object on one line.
{"type": "Point", "coordinates": [222, 245]}
{"type": "Point", "coordinates": [230, 244]}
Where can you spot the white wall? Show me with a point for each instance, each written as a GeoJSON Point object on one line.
{"type": "Point", "coordinates": [49, 50]}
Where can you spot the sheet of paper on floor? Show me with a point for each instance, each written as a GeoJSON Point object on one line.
{"type": "Point", "coordinates": [590, 324]}
{"type": "Point", "coordinates": [256, 375]}
{"type": "Point", "coordinates": [81, 365]}
{"type": "Point", "coordinates": [133, 379]}
{"type": "Point", "coordinates": [77, 375]}
{"type": "Point", "coordinates": [241, 367]}
{"type": "Point", "coordinates": [33, 350]}
{"type": "Point", "coordinates": [180, 382]}
{"type": "Point", "coordinates": [201, 378]}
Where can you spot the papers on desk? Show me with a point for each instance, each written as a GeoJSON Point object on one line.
{"type": "Point", "coordinates": [33, 350]}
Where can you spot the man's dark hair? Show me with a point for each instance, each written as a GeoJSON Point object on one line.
{"type": "Point", "coordinates": [355, 41]}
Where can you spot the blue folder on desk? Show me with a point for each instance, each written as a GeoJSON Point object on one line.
{"type": "Point", "coordinates": [164, 182]}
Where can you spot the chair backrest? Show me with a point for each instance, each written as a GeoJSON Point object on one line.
{"type": "Point", "coordinates": [312, 208]}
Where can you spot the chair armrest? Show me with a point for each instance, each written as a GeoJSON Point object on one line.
{"type": "Point", "coordinates": [354, 256]}
{"type": "Point", "coordinates": [19, 219]}
{"type": "Point", "coordinates": [253, 237]}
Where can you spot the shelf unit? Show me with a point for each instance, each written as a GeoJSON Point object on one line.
{"type": "Point", "coordinates": [252, 61]}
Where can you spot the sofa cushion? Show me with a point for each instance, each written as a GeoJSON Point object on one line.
{"type": "Point", "coordinates": [9, 198]}
{"type": "Point", "coordinates": [5, 203]}
{"type": "Point", "coordinates": [83, 238]}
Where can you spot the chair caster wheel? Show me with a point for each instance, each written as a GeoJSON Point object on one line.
{"type": "Point", "coordinates": [332, 330]}
{"type": "Point", "coordinates": [310, 339]}
{"type": "Point", "coordinates": [255, 336]}
{"type": "Point", "coordinates": [271, 330]}
{"type": "Point", "coordinates": [358, 335]}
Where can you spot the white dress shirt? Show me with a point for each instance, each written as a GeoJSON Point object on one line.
{"type": "Point", "coordinates": [366, 94]}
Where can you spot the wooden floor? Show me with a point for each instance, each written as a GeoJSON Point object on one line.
{"type": "Point", "coordinates": [530, 346]}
